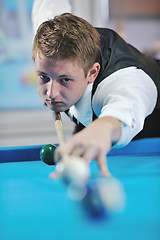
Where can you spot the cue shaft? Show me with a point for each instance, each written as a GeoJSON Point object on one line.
{"type": "Point", "coordinates": [59, 127]}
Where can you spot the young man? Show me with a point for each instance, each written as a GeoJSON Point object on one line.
{"type": "Point", "coordinates": [102, 83]}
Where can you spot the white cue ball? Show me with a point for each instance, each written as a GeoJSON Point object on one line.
{"type": "Point", "coordinates": [112, 194]}
{"type": "Point", "coordinates": [75, 170]}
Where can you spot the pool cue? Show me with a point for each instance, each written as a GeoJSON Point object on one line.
{"type": "Point", "coordinates": [60, 134]}
{"type": "Point", "coordinates": [59, 127]}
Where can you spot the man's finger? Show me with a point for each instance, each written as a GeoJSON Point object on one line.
{"type": "Point", "coordinates": [102, 163]}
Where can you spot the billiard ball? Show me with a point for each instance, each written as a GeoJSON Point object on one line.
{"type": "Point", "coordinates": [47, 154]}
{"type": "Point", "coordinates": [75, 169]}
{"type": "Point", "coordinates": [76, 191]}
{"type": "Point", "coordinates": [92, 202]}
{"type": "Point", "coordinates": [112, 194]}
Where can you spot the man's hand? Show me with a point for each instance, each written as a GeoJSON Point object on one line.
{"type": "Point", "coordinates": [93, 142]}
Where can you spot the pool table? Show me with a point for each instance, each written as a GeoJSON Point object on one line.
{"type": "Point", "coordinates": [32, 206]}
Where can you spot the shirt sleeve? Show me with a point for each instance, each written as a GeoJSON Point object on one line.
{"type": "Point", "coordinates": [129, 95]}
{"type": "Point", "coordinates": [44, 10]}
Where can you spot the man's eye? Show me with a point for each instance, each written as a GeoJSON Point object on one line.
{"type": "Point", "coordinates": [44, 78]}
{"type": "Point", "coordinates": [65, 80]}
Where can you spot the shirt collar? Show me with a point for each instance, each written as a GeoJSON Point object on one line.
{"type": "Point", "coordinates": [82, 110]}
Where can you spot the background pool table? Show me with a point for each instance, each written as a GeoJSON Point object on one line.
{"type": "Point", "coordinates": [32, 206]}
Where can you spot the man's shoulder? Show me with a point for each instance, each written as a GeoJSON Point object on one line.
{"type": "Point", "coordinates": [109, 38]}
{"type": "Point", "coordinates": [105, 31]}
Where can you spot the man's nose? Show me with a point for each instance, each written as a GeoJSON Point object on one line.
{"type": "Point", "coordinates": [52, 89]}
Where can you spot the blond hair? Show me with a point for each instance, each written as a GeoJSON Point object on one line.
{"type": "Point", "coordinates": [68, 37]}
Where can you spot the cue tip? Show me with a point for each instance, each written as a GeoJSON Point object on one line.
{"type": "Point", "coordinates": [57, 116]}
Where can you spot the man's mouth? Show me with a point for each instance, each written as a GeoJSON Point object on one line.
{"type": "Point", "coordinates": [54, 103]}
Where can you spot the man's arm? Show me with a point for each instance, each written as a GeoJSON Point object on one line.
{"type": "Point", "coordinates": [44, 10]}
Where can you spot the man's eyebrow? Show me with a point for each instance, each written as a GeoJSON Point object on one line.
{"type": "Point", "coordinates": [59, 76]}
{"type": "Point", "coordinates": [40, 72]}
{"type": "Point", "coordinates": [64, 76]}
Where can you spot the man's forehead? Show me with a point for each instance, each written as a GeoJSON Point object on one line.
{"type": "Point", "coordinates": [65, 67]}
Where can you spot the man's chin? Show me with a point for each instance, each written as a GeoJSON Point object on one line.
{"type": "Point", "coordinates": [58, 109]}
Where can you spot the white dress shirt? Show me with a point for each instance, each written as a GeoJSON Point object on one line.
{"type": "Point", "coordinates": [128, 94]}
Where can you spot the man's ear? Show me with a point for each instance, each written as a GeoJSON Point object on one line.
{"type": "Point", "coordinates": [93, 72]}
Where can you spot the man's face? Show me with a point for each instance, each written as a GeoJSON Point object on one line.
{"type": "Point", "coordinates": [61, 84]}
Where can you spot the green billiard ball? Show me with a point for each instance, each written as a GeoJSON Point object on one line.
{"type": "Point", "coordinates": [47, 154]}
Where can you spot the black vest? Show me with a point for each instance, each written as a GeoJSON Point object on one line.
{"type": "Point", "coordinates": [116, 54]}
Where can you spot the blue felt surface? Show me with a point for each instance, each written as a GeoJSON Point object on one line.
{"type": "Point", "coordinates": [32, 206]}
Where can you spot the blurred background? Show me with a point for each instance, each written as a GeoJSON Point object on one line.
{"type": "Point", "coordinates": [23, 119]}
